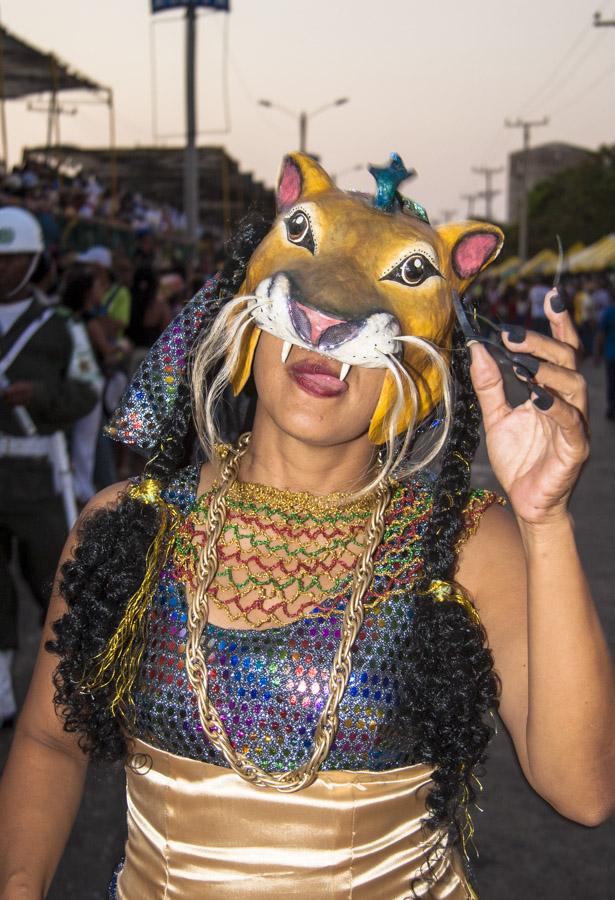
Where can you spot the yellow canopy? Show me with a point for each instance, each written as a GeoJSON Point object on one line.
{"type": "Point", "coordinates": [536, 265]}
{"type": "Point", "coordinates": [550, 267]}
{"type": "Point", "coordinates": [595, 257]}
{"type": "Point", "coordinates": [504, 269]}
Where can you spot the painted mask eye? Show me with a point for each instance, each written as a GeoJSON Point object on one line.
{"type": "Point", "coordinates": [413, 270]}
{"type": "Point", "coordinates": [299, 230]}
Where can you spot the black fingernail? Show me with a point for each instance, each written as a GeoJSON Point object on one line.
{"type": "Point", "coordinates": [557, 304]}
{"type": "Point", "coordinates": [543, 399]}
{"type": "Point", "coordinates": [523, 373]}
{"type": "Point", "coordinates": [514, 333]}
{"type": "Point", "coordinates": [530, 363]}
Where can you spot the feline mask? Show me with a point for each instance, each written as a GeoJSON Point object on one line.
{"type": "Point", "coordinates": [359, 280]}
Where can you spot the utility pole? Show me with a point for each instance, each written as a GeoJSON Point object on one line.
{"type": "Point", "coordinates": [599, 22]}
{"type": "Point", "coordinates": [527, 126]}
{"type": "Point", "coordinates": [447, 214]}
{"type": "Point", "coordinates": [471, 200]}
{"type": "Point", "coordinates": [489, 192]}
{"type": "Point", "coordinates": [191, 175]}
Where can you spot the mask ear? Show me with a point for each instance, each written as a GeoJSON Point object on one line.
{"type": "Point", "coordinates": [300, 176]}
{"type": "Point", "coordinates": [472, 246]}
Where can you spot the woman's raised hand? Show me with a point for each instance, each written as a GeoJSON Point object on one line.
{"type": "Point", "coordinates": [537, 449]}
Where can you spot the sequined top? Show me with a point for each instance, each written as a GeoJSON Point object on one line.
{"type": "Point", "coordinates": [269, 685]}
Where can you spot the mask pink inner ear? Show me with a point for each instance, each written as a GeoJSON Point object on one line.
{"type": "Point", "coordinates": [289, 188]}
{"type": "Point", "coordinates": [471, 253]}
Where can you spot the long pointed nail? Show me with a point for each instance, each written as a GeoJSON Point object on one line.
{"type": "Point", "coordinates": [344, 371]}
{"type": "Point", "coordinates": [527, 362]}
{"type": "Point", "coordinates": [286, 348]}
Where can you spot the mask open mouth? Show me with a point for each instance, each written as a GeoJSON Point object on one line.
{"type": "Point", "coordinates": [322, 331]}
{"type": "Point", "coordinates": [364, 341]}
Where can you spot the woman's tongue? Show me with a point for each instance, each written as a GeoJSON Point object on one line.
{"type": "Point", "coordinates": [317, 379]}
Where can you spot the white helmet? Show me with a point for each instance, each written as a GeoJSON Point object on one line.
{"type": "Point", "coordinates": [19, 231]}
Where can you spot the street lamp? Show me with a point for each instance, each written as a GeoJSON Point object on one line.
{"type": "Point", "coordinates": [302, 117]}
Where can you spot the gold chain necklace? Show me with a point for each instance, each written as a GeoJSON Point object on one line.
{"type": "Point", "coordinates": [198, 614]}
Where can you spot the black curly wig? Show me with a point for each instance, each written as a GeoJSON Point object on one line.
{"type": "Point", "coordinates": [453, 685]}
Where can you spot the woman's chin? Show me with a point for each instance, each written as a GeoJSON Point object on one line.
{"type": "Point", "coordinates": [318, 430]}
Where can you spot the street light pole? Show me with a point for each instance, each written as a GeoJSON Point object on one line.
{"type": "Point", "coordinates": [302, 117]}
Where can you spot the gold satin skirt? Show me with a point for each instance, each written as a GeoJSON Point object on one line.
{"type": "Point", "coordinates": [200, 831]}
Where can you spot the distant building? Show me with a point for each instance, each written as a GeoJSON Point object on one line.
{"type": "Point", "coordinates": [225, 193]}
{"type": "Point", "coordinates": [542, 162]}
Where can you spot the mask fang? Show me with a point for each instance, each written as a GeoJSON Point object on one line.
{"type": "Point", "coordinates": [344, 371]}
{"type": "Point", "coordinates": [286, 348]}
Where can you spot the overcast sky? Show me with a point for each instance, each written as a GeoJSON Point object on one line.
{"type": "Point", "coordinates": [433, 81]}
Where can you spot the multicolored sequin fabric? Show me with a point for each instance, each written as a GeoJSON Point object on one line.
{"type": "Point", "coordinates": [269, 685]}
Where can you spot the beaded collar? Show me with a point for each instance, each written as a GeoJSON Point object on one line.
{"type": "Point", "coordinates": [283, 555]}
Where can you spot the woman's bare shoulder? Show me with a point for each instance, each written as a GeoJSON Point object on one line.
{"type": "Point", "coordinates": [108, 497]}
{"type": "Point", "coordinates": [491, 562]}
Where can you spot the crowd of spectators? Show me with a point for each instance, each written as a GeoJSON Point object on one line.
{"type": "Point", "coordinates": [116, 299]}
{"type": "Point", "coordinates": [522, 302]}
{"type": "Point", "coordinates": [49, 192]}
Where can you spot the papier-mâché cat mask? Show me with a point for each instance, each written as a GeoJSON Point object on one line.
{"type": "Point", "coordinates": [356, 278]}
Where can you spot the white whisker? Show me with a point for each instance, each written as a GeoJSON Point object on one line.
{"type": "Point", "coordinates": [223, 344]}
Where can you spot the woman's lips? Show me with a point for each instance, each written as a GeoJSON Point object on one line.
{"type": "Point", "coordinates": [317, 379]}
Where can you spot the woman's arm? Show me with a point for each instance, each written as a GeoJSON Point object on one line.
{"type": "Point", "coordinates": [558, 683]}
{"type": "Point", "coordinates": [43, 779]}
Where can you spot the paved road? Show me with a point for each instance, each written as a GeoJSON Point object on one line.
{"type": "Point", "coordinates": [527, 851]}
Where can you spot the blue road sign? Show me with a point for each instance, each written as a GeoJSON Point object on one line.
{"type": "Point", "coordinates": [162, 5]}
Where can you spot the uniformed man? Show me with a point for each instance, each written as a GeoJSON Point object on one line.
{"type": "Point", "coordinates": [37, 400]}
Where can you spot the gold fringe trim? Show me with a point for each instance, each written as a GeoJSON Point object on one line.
{"type": "Point", "coordinates": [120, 662]}
{"type": "Point", "coordinates": [447, 590]}
{"type": "Point", "coordinates": [473, 513]}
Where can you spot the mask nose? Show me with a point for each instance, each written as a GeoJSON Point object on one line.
{"type": "Point", "coordinates": [311, 323]}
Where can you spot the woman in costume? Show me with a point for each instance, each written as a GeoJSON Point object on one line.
{"type": "Point", "coordinates": [296, 646]}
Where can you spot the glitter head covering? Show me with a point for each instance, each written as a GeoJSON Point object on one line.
{"type": "Point", "coordinates": [157, 399]}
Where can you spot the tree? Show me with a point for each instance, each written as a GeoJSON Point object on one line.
{"type": "Point", "coordinates": [578, 204]}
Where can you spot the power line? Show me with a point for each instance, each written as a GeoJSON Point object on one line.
{"type": "Point", "coordinates": [489, 192]}
{"type": "Point", "coordinates": [527, 126]}
{"type": "Point", "coordinates": [565, 60]}
{"type": "Point", "coordinates": [448, 214]}
{"type": "Point", "coordinates": [582, 95]}
{"type": "Point", "coordinates": [564, 63]}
